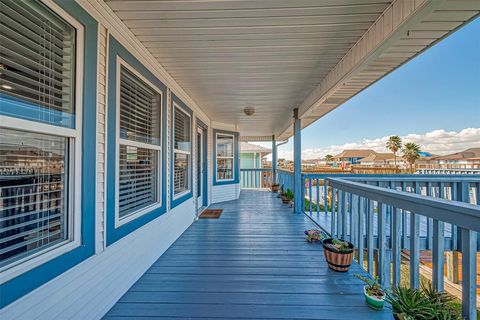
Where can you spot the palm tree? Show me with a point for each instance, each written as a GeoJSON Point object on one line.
{"type": "Point", "coordinates": [328, 158]}
{"type": "Point", "coordinates": [411, 152]}
{"type": "Point", "coordinates": [394, 144]}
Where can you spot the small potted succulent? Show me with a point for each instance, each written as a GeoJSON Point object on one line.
{"type": "Point", "coordinates": [374, 294]}
{"type": "Point", "coordinates": [275, 187]}
{"type": "Point", "coordinates": [338, 253]}
{"type": "Point", "coordinates": [314, 235]}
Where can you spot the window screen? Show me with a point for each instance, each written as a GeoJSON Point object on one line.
{"type": "Point", "coordinates": [37, 63]}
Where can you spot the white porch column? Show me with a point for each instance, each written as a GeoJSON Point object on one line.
{"type": "Point", "coordinates": [274, 160]}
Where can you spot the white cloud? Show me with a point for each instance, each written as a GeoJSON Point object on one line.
{"type": "Point", "coordinates": [436, 142]}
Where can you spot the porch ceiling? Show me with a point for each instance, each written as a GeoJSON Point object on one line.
{"type": "Point", "coordinates": [277, 55]}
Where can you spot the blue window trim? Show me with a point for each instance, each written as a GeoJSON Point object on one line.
{"type": "Point", "coordinates": [34, 278]}
{"type": "Point", "coordinates": [186, 196]}
{"type": "Point", "coordinates": [114, 234]}
{"type": "Point", "coordinates": [236, 166]}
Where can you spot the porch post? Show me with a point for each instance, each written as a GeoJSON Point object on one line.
{"type": "Point", "coordinates": [297, 160]}
{"type": "Point", "coordinates": [274, 160]}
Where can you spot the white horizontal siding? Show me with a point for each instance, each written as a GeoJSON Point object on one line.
{"type": "Point", "coordinates": [225, 192]}
{"type": "Point", "coordinates": [90, 289]}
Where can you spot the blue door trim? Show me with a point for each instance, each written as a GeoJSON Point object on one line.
{"type": "Point", "coordinates": [189, 194]}
{"type": "Point", "coordinates": [114, 234]}
{"type": "Point", "coordinates": [34, 278]}
{"type": "Point", "coordinates": [204, 128]}
{"type": "Point", "coordinates": [236, 162]}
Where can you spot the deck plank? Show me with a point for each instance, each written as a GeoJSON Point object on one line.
{"type": "Point", "coordinates": [252, 263]}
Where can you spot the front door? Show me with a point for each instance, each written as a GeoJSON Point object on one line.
{"type": "Point", "coordinates": [200, 172]}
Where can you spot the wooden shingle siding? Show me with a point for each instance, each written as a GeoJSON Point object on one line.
{"type": "Point", "coordinates": [251, 263]}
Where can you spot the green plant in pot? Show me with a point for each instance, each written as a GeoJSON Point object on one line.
{"type": "Point", "coordinates": [338, 253]}
{"type": "Point", "coordinates": [374, 294]}
{"type": "Point", "coordinates": [424, 303]}
{"type": "Point", "coordinates": [287, 196]}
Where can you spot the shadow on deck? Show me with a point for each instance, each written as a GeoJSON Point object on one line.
{"type": "Point", "coordinates": [252, 263]}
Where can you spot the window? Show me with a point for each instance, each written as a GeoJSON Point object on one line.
{"type": "Point", "coordinates": [139, 144]}
{"type": "Point", "coordinates": [39, 134]}
{"type": "Point", "coordinates": [38, 64]}
{"type": "Point", "coordinates": [181, 151]}
{"type": "Point", "coordinates": [225, 157]}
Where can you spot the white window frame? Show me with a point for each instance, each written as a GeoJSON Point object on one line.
{"type": "Point", "coordinates": [189, 189]}
{"type": "Point", "coordinates": [74, 209]}
{"type": "Point", "coordinates": [119, 221]}
{"type": "Point", "coordinates": [222, 157]}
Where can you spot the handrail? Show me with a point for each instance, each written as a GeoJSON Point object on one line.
{"type": "Point", "coordinates": [355, 206]}
{"type": "Point", "coordinates": [462, 214]}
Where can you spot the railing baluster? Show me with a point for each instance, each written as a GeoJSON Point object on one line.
{"type": "Point", "coordinates": [361, 213]}
{"type": "Point", "coordinates": [310, 194]}
{"type": "Point", "coordinates": [370, 248]}
{"type": "Point", "coordinates": [317, 186]}
{"type": "Point", "coordinates": [353, 218]}
{"type": "Point", "coordinates": [344, 215]}
{"type": "Point", "coordinates": [325, 197]}
{"type": "Point", "coordinates": [396, 248]}
{"type": "Point", "coordinates": [414, 249]}
{"type": "Point", "coordinates": [383, 261]}
{"type": "Point", "coordinates": [429, 220]}
{"type": "Point", "coordinates": [469, 273]}
{"type": "Point", "coordinates": [332, 216]}
{"type": "Point", "coordinates": [437, 255]}
{"type": "Point", "coordinates": [340, 214]}
{"type": "Point", "coordinates": [404, 220]}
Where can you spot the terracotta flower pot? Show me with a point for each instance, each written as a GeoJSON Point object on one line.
{"type": "Point", "coordinates": [275, 188]}
{"type": "Point", "coordinates": [337, 260]}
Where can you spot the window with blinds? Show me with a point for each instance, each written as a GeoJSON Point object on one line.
{"type": "Point", "coordinates": [139, 144]}
{"type": "Point", "coordinates": [37, 63]}
{"type": "Point", "coordinates": [182, 151]}
{"type": "Point", "coordinates": [225, 157]}
{"type": "Point", "coordinates": [37, 163]}
{"type": "Point", "coordinates": [33, 193]}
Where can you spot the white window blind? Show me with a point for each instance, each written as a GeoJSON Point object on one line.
{"type": "Point", "coordinates": [139, 148]}
{"type": "Point", "coordinates": [182, 151]}
{"type": "Point", "coordinates": [139, 110]}
{"type": "Point", "coordinates": [225, 157]}
{"type": "Point", "coordinates": [37, 63]}
{"type": "Point", "coordinates": [33, 183]}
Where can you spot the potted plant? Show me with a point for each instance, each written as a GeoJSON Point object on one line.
{"type": "Point", "coordinates": [338, 253]}
{"type": "Point", "coordinates": [287, 196]}
{"type": "Point", "coordinates": [275, 187]}
{"type": "Point", "coordinates": [314, 235]}
{"type": "Point", "coordinates": [374, 295]}
{"type": "Point", "coordinates": [424, 303]}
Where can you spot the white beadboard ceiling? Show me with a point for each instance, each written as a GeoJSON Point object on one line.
{"type": "Point", "coordinates": [274, 55]}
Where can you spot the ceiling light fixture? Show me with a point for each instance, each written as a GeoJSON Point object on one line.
{"type": "Point", "coordinates": [249, 111]}
{"type": "Point", "coordinates": [6, 86]}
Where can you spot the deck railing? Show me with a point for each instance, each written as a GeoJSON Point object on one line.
{"type": "Point", "coordinates": [388, 213]}
{"type": "Point", "coordinates": [260, 178]}
{"type": "Point", "coordinates": [448, 171]}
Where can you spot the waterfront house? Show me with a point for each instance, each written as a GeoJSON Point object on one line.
{"type": "Point", "coordinates": [123, 121]}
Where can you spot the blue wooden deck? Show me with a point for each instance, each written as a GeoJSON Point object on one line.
{"type": "Point", "coordinates": [252, 263]}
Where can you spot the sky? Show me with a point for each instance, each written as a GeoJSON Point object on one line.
{"type": "Point", "coordinates": [433, 100]}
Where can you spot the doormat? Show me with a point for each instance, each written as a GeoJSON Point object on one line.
{"type": "Point", "coordinates": [211, 214]}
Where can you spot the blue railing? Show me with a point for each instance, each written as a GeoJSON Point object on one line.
{"type": "Point", "coordinates": [260, 178]}
{"type": "Point", "coordinates": [285, 179]}
{"type": "Point", "coordinates": [389, 213]}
